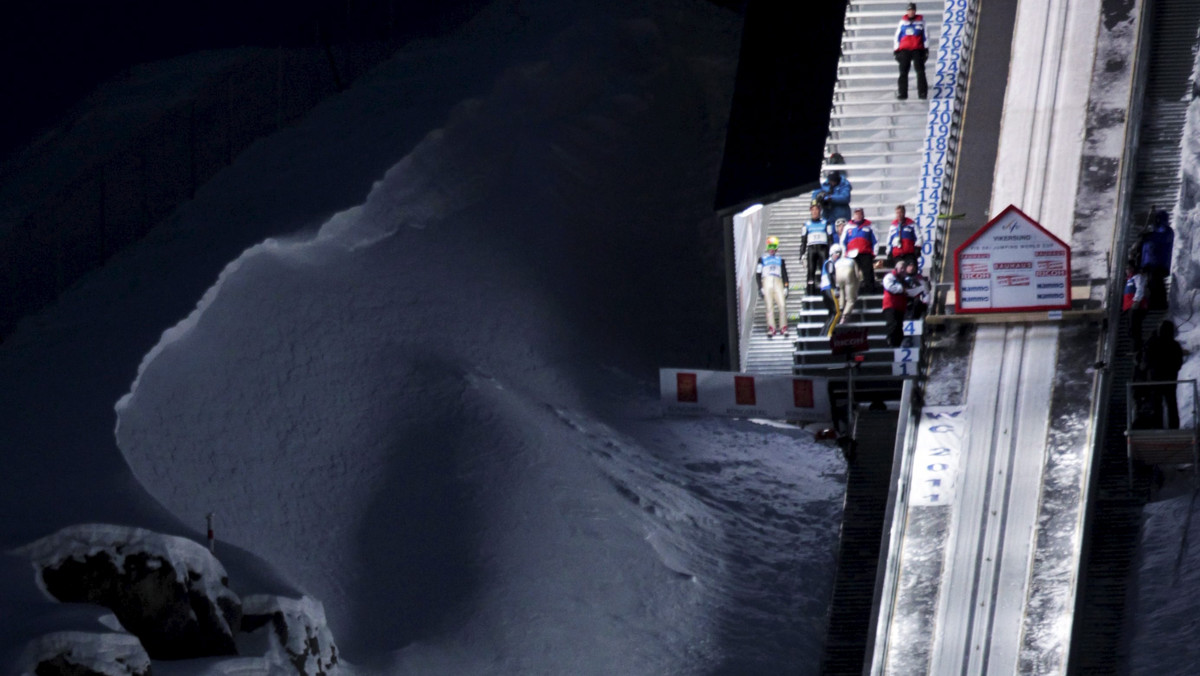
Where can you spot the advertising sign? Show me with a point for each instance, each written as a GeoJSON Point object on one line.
{"type": "Point", "coordinates": [1012, 264]}
{"type": "Point", "coordinates": [940, 434]}
{"type": "Point", "coordinates": [847, 339]}
{"type": "Point", "coordinates": [742, 395]}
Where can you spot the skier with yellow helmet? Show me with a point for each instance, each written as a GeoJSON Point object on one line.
{"type": "Point", "coordinates": [772, 277]}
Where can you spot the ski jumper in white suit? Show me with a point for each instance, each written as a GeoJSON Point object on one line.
{"type": "Point", "coordinates": [771, 273]}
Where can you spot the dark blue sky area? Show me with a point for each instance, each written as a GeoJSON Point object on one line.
{"type": "Point", "coordinates": [56, 51]}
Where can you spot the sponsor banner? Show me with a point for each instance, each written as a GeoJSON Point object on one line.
{"type": "Point", "coordinates": [1012, 264]}
{"type": "Point", "coordinates": [741, 395]}
{"type": "Point", "coordinates": [847, 339]}
{"type": "Point", "coordinates": [940, 433]}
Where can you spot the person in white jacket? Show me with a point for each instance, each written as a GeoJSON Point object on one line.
{"type": "Point", "coordinates": [849, 278]}
{"type": "Point", "coordinates": [918, 290]}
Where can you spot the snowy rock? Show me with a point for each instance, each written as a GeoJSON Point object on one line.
{"type": "Point", "coordinates": [79, 653]}
{"type": "Point", "coordinates": [167, 591]}
{"type": "Point", "coordinates": [295, 631]}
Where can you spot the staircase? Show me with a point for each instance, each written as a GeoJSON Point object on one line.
{"type": "Point", "coordinates": [1097, 645]}
{"type": "Point", "coordinates": [880, 139]}
{"type": "Point", "coordinates": [867, 480]}
{"type": "Point", "coordinates": [773, 356]}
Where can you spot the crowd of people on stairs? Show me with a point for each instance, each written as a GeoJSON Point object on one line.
{"type": "Point", "coordinates": [841, 254]}
{"type": "Point", "coordinates": [1157, 360]}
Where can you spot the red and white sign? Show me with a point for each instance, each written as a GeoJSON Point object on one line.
{"type": "Point", "coordinates": [741, 395]}
{"type": "Point", "coordinates": [848, 339]}
{"type": "Point", "coordinates": [1012, 264]}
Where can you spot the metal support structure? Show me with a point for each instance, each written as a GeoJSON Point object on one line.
{"type": "Point", "coordinates": [1158, 445]}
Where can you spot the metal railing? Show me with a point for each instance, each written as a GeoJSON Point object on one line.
{"type": "Point", "coordinates": [1151, 440]}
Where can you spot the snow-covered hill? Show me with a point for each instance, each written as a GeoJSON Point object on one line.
{"type": "Point", "coordinates": [436, 411]}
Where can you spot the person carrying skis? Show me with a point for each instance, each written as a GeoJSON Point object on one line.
{"type": "Point", "coordinates": [1156, 250]}
{"type": "Point", "coordinates": [772, 277]}
{"type": "Point", "coordinates": [818, 235]}
{"type": "Point", "coordinates": [902, 238]}
{"type": "Point", "coordinates": [828, 274]}
{"type": "Point", "coordinates": [858, 240]}
{"type": "Point", "coordinates": [847, 279]}
{"type": "Point", "coordinates": [909, 50]}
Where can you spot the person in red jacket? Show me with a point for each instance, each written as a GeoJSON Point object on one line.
{"type": "Point", "coordinates": [1134, 303]}
{"type": "Point", "coordinates": [909, 50]}
{"type": "Point", "coordinates": [858, 241]}
{"type": "Point", "coordinates": [902, 238]}
{"type": "Point", "coordinates": [895, 302]}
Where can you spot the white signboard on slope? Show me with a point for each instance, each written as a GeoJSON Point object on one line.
{"type": "Point", "coordinates": [744, 395]}
{"type": "Point", "coordinates": [940, 434]}
{"type": "Point", "coordinates": [1012, 264]}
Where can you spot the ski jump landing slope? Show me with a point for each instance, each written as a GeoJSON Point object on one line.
{"type": "Point", "coordinates": [985, 578]}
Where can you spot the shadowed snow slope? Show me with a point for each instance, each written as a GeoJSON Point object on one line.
{"type": "Point", "coordinates": [436, 412]}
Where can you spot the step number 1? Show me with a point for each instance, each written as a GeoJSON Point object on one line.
{"type": "Point", "coordinates": [904, 361]}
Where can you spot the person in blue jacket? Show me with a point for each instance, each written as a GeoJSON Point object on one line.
{"type": "Point", "coordinates": [1157, 245]}
{"type": "Point", "coordinates": [834, 196]}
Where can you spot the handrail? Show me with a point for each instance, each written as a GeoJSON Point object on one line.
{"type": "Point", "coordinates": [1131, 433]}
{"type": "Point", "coordinates": [947, 98]}
{"type": "Point", "coordinates": [893, 528]}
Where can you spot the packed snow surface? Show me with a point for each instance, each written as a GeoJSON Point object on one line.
{"type": "Point", "coordinates": [431, 403]}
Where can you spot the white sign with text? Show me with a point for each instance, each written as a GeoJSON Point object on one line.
{"type": "Point", "coordinates": [1012, 264]}
{"type": "Point", "coordinates": [940, 434]}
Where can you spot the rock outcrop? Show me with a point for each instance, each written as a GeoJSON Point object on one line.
{"type": "Point", "coordinates": [168, 591]}
{"type": "Point", "coordinates": [296, 632]}
{"type": "Point", "coordinates": [80, 653]}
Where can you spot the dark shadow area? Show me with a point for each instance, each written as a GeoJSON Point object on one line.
{"type": "Point", "coordinates": [780, 115]}
{"type": "Point", "coordinates": [416, 545]}
{"type": "Point", "coordinates": [57, 51]}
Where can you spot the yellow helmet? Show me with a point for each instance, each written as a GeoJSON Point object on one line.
{"type": "Point", "coordinates": [772, 242]}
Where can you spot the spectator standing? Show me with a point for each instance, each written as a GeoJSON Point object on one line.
{"type": "Point", "coordinates": [834, 196]}
{"type": "Point", "coordinates": [1157, 246]}
{"type": "Point", "coordinates": [847, 279]}
{"type": "Point", "coordinates": [910, 51]}
{"type": "Point", "coordinates": [1164, 358]}
{"type": "Point", "coordinates": [1134, 304]}
{"type": "Point", "coordinates": [895, 302]}
{"type": "Point", "coordinates": [772, 277]}
{"type": "Point", "coordinates": [828, 274]}
{"type": "Point", "coordinates": [902, 238]}
{"type": "Point", "coordinates": [818, 235]}
{"type": "Point", "coordinates": [859, 241]}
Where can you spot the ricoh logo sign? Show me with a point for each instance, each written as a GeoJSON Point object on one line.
{"type": "Point", "coordinates": [1012, 264]}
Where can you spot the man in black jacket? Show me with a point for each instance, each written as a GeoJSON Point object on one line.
{"type": "Point", "coordinates": [1164, 358]}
